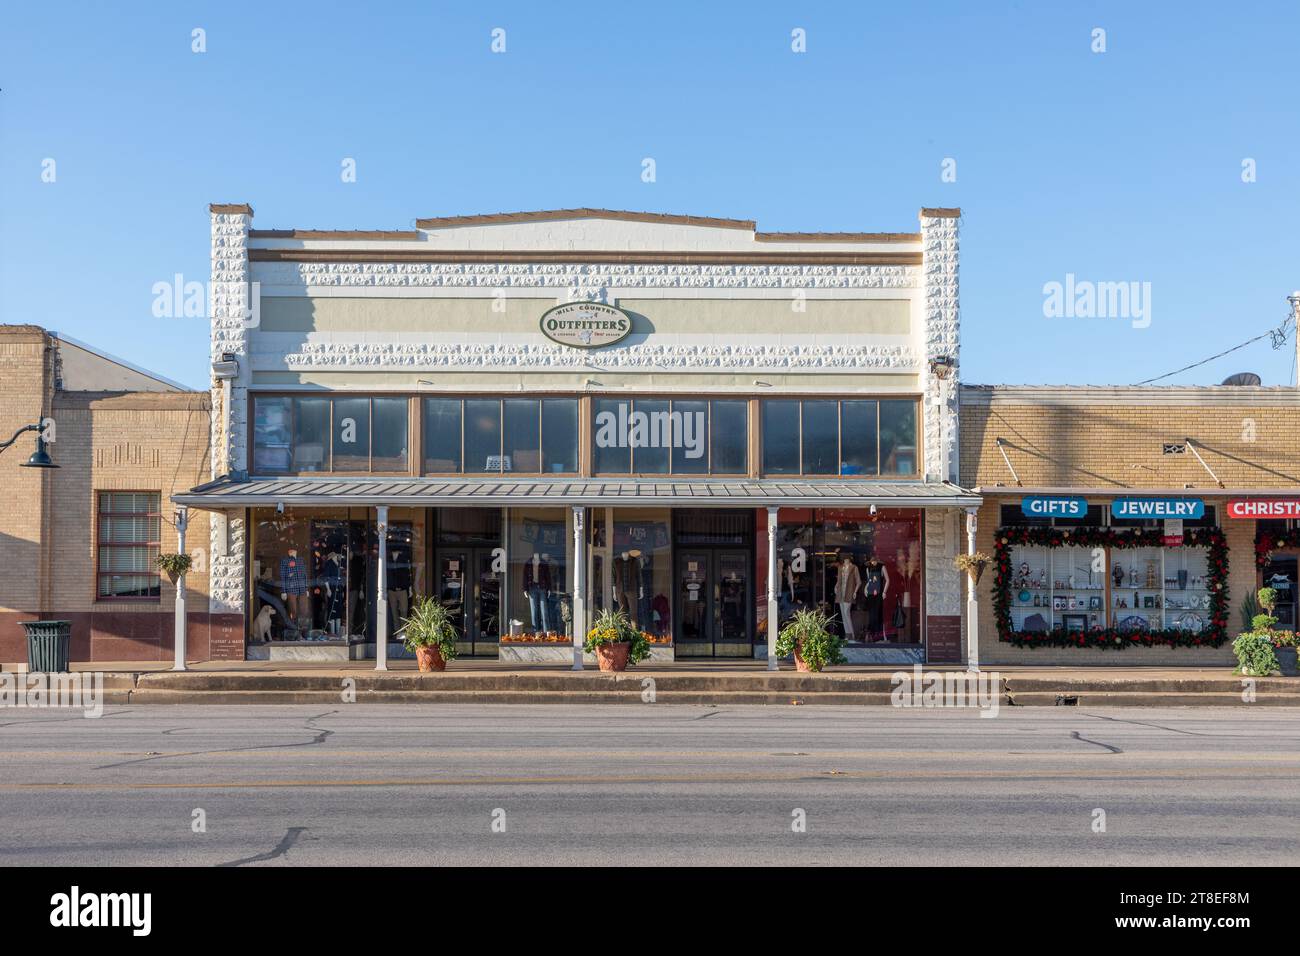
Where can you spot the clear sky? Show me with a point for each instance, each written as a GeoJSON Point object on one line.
{"type": "Point", "coordinates": [1122, 166]}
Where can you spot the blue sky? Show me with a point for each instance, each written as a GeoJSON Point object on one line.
{"type": "Point", "coordinates": [1116, 166]}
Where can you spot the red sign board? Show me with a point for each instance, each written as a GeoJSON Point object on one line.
{"type": "Point", "coordinates": [1264, 508]}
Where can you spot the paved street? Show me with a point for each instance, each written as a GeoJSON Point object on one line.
{"type": "Point", "coordinates": [654, 784]}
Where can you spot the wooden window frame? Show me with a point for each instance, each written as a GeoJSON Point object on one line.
{"type": "Point", "coordinates": [839, 411]}
{"type": "Point", "coordinates": [149, 546]}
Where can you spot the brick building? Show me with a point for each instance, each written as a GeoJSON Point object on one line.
{"type": "Point", "coordinates": [1102, 462]}
{"type": "Point", "coordinates": [78, 541]}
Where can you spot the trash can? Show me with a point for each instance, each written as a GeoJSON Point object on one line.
{"type": "Point", "coordinates": [47, 645]}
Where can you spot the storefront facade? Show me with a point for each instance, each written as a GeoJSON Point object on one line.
{"type": "Point", "coordinates": [534, 417]}
{"type": "Point", "coordinates": [1134, 519]}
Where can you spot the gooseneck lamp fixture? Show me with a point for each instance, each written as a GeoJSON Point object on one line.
{"type": "Point", "coordinates": [40, 458]}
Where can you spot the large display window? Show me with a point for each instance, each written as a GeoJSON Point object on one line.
{"type": "Point", "coordinates": [632, 567]}
{"type": "Point", "coordinates": [315, 573]}
{"type": "Point", "coordinates": [1110, 587]}
{"type": "Point", "coordinates": [863, 569]}
{"type": "Point", "coordinates": [540, 549]}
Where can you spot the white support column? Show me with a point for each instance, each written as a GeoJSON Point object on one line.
{"type": "Point", "coordinates": [182, 519]}
{"type": "Point", "coordinates": [972, 600]}
{"type": "Point", "coordinates": [772, 585]}
{"type": "Point", "coordinates": [381, 593]}
{"type": "Point", "coordinates": [579, 586]}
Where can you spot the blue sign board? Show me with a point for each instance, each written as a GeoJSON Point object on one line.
{"type": "Point", "coordinates": [1157, 508]}
{"type": "Point", "coordinates": [1052, 506]}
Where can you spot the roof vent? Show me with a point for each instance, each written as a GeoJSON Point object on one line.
{"type": "Point", "coordinates": [1242, 378]}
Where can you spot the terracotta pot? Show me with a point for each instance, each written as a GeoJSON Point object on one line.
{"type": "Point", "coordinates": [429, 659]}
{"type": "Point", "coordinates": [799, 663]}
{"type": "Point", "coordinates": [613, 657]}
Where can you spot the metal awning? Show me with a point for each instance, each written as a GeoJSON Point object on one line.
{"type": "Point", "coordinates": [713, 493]}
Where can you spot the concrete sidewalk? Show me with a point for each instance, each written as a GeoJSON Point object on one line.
{"type": "Point", "coordinates": [688, 682]}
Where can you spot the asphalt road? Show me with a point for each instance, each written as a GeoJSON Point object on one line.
{"type": "Point", "coordinates": [653, 784]}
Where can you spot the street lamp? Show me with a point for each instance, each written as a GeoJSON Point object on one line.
{"type": "Point", "coordinates": [40, 458]}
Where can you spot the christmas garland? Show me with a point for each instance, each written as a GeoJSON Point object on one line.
{"type": "Point", "coordinates": [1111, 638]}
{"type": "Point", "coordinates": [1266, 544]}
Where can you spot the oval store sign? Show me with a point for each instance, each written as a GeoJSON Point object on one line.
{"type": "Point", "coordinates": [1148, 508]}
{"type": "Point", "coordinates": [1264, 508]}
{"type": "Point", "coordinates": [1049, 506]}
{"type": "Point", "coordinates": [586, 325]}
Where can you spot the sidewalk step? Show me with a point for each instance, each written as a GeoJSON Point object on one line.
{"type": "Point", "coordinates": [1139, 699]}
{"type": "Point", "coordinates": [158, 696]}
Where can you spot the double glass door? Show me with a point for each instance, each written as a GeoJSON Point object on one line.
{"type": "Point", "coordinates": [470, 587]}
{"type": "Point", "coordinates": [715, 602]}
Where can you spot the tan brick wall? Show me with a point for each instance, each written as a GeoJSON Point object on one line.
{"type": "Point", "coordinates": [137, 441]}
{"type": "Point", "coordinates": [1247, 439]}
{"type": "Point", "coordinates": [133, 441]}
{"type": "Point", "coordinates": [1113, 441]}
{"type": "Point", "coordinates": [26, 378]}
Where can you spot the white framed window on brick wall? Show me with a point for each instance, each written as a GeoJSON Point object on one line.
{"type": "Point", "coordinates": [128, 532]}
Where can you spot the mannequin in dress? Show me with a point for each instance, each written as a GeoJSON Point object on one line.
{"type": "Point", "coordinates": [847, 582]}
{"type": "Point", "coordinates": [874, 590]}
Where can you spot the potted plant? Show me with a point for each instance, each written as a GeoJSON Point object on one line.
{"type": "Point", "coordinates": [616, 641]}
{"type": "Point", "coordinates": [1284, 651]}
{"type": "Point", "coordinates": [1256, 649]}
{"type": "Point", "coordinates": [972, 564]}
{"type": "Point", "coordinates": [1255, 656]}
{"type": "Point", "coordinates": [430, 633]}
{"type": "Point", "coordinates": [174, 565]}
{"type": "Point", "coordinates": [808, 637]}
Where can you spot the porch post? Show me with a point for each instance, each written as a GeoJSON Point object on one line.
{"type": "Point", "coordinates": [182, 519]}
{"type": "Point", "coordinates": [972, 600]}
{"type": "Point", "coordinates": [381, 596]}
{"type": "Point", "coordinates": [579, 587]}
{"type": "Point", "coordinates": [772, 623]}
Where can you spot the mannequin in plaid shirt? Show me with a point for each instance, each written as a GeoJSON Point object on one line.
{"type": "Point", "coordinates": [293, 584]}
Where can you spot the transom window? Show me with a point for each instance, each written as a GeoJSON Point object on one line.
{"type": "Point", "coordinates": [338, 433]}
{"type": "Point", "coordinates": [839, 436]}
{"type": "Point", "coordinates": [129, 532]}
{"type": "Point", "coordinates": [659, 436]}
{"type": "Point", "coordinates": [491, 435]}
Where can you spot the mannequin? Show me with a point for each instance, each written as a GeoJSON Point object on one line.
{"type": "Point", "coordinates": [399, 587]}
{"type": "Point", "coordinates": [537, 585]}
{"type": "Point", "coordinates": [875, 589]}
{"type": "Point", "coordinates": [331, 579]}
{"type": "Point", "coordinates": [293, 586]}
{"type": "Point", "coordinates": [847, 581]}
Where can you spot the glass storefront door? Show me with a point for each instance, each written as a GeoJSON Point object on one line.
{"type": "Point", "coordinates": [471, 589]}
{"type": "Point", "coordinates": [715, 602]}
{"type": "Point", "coordinates": [1280, 574]}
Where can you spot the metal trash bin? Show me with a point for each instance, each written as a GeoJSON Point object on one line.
{"type": "Point", "coordinates": [47, 645]}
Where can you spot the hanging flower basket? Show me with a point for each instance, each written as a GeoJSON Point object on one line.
{"type": "Point", "coordinates": [973, 564]}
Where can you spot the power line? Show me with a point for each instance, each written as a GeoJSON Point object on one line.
{"type": "Point", "coordinates": [1278, 335]}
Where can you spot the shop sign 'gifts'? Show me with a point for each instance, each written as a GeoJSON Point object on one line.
{"type": "Point", "coordinates": [1052, 506]}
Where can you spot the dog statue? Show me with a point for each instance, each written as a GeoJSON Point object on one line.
{"type": "Point", "coordinates": [262, 623]}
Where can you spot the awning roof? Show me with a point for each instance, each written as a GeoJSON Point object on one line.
{"type": "Point", "coordinates": [830, 493]}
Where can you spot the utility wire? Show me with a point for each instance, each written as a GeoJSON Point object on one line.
{"type": "Point", "coordinates": [1278, 336]}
